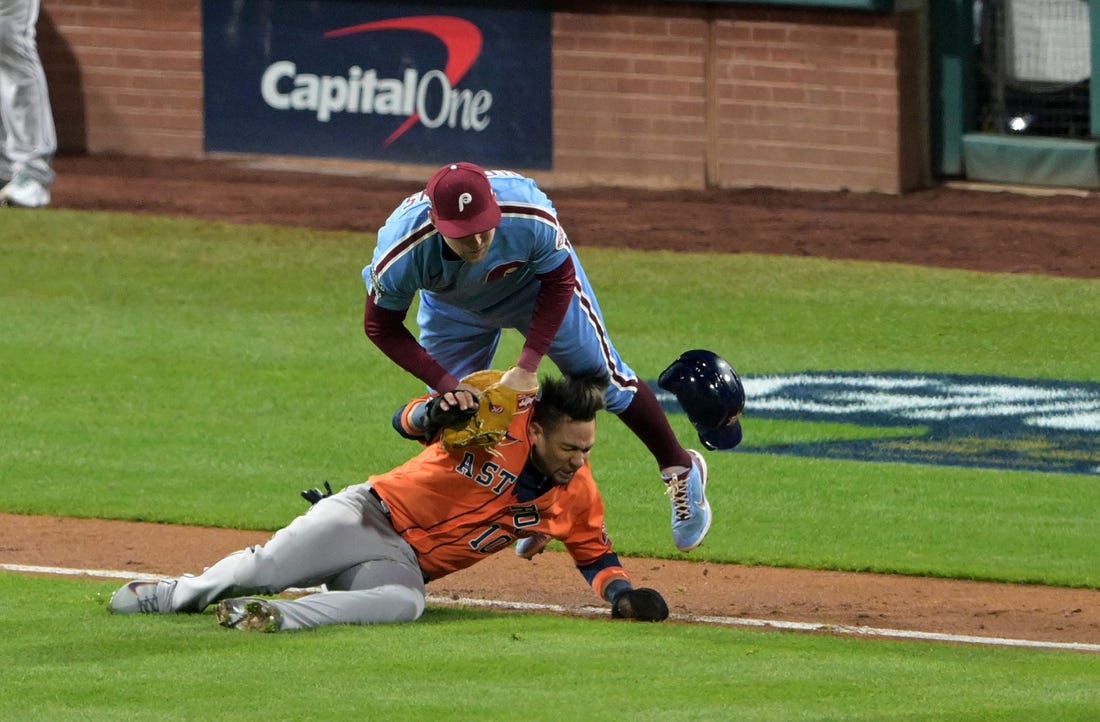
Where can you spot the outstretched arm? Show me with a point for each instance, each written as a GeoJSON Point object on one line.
{"type": "Point", "coordinates": [612, 583]}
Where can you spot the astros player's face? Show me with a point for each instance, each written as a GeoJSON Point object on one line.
{"type": "Point", "coordinates": [471, 249]}
{"type": "Point", "coordinates": [560, 451]}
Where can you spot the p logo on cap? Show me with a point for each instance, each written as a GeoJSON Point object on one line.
{"type": "Point", "coordinates": [462, 200]}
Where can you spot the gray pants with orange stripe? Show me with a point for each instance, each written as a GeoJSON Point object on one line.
{"type": "Point", "coordinates": [344, 542]}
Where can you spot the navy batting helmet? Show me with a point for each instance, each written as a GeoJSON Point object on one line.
{"type": "Point", "coordinates": [711, 394]}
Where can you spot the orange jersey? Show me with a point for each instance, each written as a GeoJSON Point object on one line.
{"type": "Point", "coordinates": [457, 507]}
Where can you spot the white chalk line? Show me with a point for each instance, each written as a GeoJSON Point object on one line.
{"type": "Point", "coordinates": [819, 627]}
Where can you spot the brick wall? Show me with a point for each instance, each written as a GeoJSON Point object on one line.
{"type": "Point", "coordinates": [737, 96]}
{"type": "Point", "coordinates": [658, 94]}
{"type": "Point", "coordinates": [125, 75]}
{"type": "Point", "coordinates": [630, 95]}
{"type": "Point", "coordinates": [808, 100]}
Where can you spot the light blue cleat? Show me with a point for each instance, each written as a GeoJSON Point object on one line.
{"type": "Point", "coordinates": [690, 509]}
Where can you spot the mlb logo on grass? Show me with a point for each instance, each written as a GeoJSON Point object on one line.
{"type": "Point", "coordinates": [394, 82]}
{"type": "Point", "coordinates": [950, 419]}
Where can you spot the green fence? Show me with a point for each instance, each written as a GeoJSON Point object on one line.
{"type": "Point", "coordinates": [988, 125]}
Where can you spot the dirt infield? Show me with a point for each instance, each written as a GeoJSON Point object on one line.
{"type": "Point", "coordinates": [945, 227]}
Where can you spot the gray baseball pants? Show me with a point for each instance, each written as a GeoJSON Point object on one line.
{"type": "Point", "coordinates": [28, 139]}
{"type": "Point", "coordinates": [345, 542]}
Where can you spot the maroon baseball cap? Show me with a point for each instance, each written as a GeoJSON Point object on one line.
{"type": "Point", "coordinates": [462, 200]}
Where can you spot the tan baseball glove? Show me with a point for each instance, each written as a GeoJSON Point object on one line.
{"type": "Point", "coordinates": [497, 404]}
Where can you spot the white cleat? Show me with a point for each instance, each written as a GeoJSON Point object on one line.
{"type": "Point", "coordinates": [142, 596]}
{"type": "Point", "coordinates": [24, 192]}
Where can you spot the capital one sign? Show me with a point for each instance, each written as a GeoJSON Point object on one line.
{"type": "Point", "coordinates": [374, 81]}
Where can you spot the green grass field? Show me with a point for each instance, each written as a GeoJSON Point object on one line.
{"type": "Point", "coordinates": [189, 372]}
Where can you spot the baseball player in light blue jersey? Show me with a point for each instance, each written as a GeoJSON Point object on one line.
{"type": "Point", "coordinates": [485, 252]}
{"type": "Point", "coordinates": [28, 140]}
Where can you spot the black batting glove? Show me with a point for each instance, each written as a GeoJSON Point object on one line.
{"type": "Point", "coordinates": [315, 495]}
{"type": "Point", "coordinates": [643, 604]}
{"type": "Point", "coordinates": [438, 417]}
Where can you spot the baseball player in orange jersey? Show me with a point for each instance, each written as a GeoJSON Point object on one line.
{"type": "Point", "coordinates": [375, 545]}
{"type": "Point", "coordinates": [484, 251]}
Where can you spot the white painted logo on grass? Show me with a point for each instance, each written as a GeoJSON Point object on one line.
{"type": "Point", "coordinates": [959, 420]}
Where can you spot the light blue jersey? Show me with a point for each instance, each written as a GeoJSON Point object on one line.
{"type": "Point", "coordinates": [464, 306]}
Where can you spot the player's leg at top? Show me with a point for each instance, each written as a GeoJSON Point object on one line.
{"type": "Point", "coordinates": [29, 140]}
{"type": "Point", "coordinates": [583, 345]}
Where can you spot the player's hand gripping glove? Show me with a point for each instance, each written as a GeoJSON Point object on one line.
{"type": "Point", "coordinates": [315, 495]}
{"type": "Point", "coordinates": [497, 404]}
{"type": "Point", "coordinates": [436, 417]}
{"type": "Point", "coordinates": [643, 604]}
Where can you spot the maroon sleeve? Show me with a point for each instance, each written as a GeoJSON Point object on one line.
{"type": "Point", "coordinates": [553, 301]}
{"type": "Point", "coordinates": [386, 329]}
